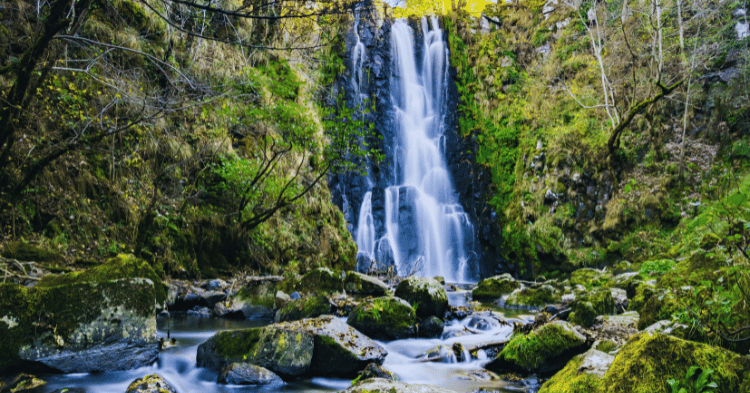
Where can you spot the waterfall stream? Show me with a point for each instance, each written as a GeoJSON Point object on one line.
{"type": "Point", "coordinates": [425, 230]}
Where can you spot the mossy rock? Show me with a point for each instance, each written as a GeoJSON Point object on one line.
{"type": "Point", "coordinates": [381, 385]}
{"type": "Point", "coordinates": [629, 282]}
{"type": "Point", "coordinates": [28, 252]}
{"type": "Point", "coordinates": [583, 374]}
{"type": "Point", "coordinates": [643, 293]}
{"type": "Point", "coordinates": [384, 318]}
{"type": "Point", "coordinates": [69, 327]}
{"type": "Point", "coordinates": [254, 301]}
{"type": "Point", "coordinates": [583, 313]}
{"type": "Point", "coordinates": [318, 281]}
{"type": "Point", "coordinates": [535, 297]}
{"type": "Point", "coordinates": [589, 278]}
{"type": "Point", "coordinates": [426, 295]}
{"type": "Point", "coordinates": [493, 288]}
{"type": "Point", "coordinates": [647, 361]}
{"type": "Point", "coordinates": [305, 307]}
{"type": "Point", "coordinates": [153, 383]}
{"type": "Point", "coordinates": [120, 267]}
{"type": "Point", "coordinates": [283, 351]}
{"type": "Point", "coordinates": [362, 284]}
{"type": "Point", "coordinates": [660, 306]}
{"type": "Point", "coordinates": [543, 350]}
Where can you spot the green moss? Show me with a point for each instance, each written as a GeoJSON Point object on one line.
{"type": "Point", "coordinates": [569, 380]}
{"type": "Point", "coordinates": [426, 295]}
{"type": "Point", "coordinates": [495, 287]}
{"type": "Point", "coordinates": [383, 318]}
{"type": "Point", "coordinates": [583, 313]}
{"type": "Point", "coordinates": [589, 278]}
{"type": "Point", "coordinates": [537, 297]}
{"type": "Point", "coordinates": [40, 313]}
{"type": "Point", "coordinates": [120, 267]}
{"type": "Point", "coordinates": [531, 351]}
{"type": "Point", "coordinates": [606, 346]}
{"type": "Point", "coordinates": [27, 252]}
{"type": "Point", "coordinates": [660, 306]}
{"type": "Point", "coordinates": [647, 361]}
{"type": "Point", "coordinates": [307, 307]}
{"type": "Point", "coordinates": [643, 293]}
{"type": "Point", "coordinates": [318, 281]}
{"type": "Point", "coordinates": [238, 343]}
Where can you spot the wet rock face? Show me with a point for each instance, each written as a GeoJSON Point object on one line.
{"type": "Point", "coordinates": [426, 293]}
{"type": "Point", "coordinates": [79, 327]}
{"type": "Point", "coordinates": [247, 374]}
{"type": "Point", "coordinates": [150, 384]}
{"type": "Point", "coordinates": [283, 351]}
{"type": "Point", "coordinates": [384, 318]}
{"type": "Point", "coordinates": [340, 350]}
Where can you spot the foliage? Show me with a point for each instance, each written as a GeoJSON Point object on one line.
{"type": "Point", "coordinates": [701, 383]}
{"type": "Point", "coordinates": [659, 266]}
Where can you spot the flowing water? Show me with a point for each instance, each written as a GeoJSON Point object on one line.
{"type": "Point", "coordinates": [405, 358]}
{"type": "Point", "coordinates": [426, 231]}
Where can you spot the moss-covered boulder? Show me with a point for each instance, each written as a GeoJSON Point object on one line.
{"type": "Point", "coordinates": [150, 384]}
{"type": "Point", "coordinates": [287, 352]}
{"type": "Point", "coordinates": [658, 307]}
{"type": "Point", "coordinates": [544, 350]}
{"type": "Point", "coordinates": [643, 293]}
{"type": "Point", "coordinates": [588, 278]}
{"type": "Point", "coordinates": [28, 252]}
{"type": "Point", "coordinates": [425, 294]}
{"type": "Point", "coordinates": [647, 361]}
{"type": "Point", "coordinates": [582, 313]}
{"type": "Point", "coordinates": [79, 327]}
{"type": "Point", "coordinates": [384, 318]}
{"type": "Point", "coordinates": [123, 266]}
{"type": "Point", "coordinates": [383, 385]}
{"type": "Point", "coordinates": [493, 288]}
{"type": "Point", "coordinates": [361, 284]}
{"type": "Point", "coordinates": [591, 304]}
{"type": "Point", "coordinates": [533, 297]}
{"type": "Point", "coordinates": [318, 281]}
{"type": "Point", "coordinates": [583, 374]}
{"type": "Point", "coordinates": [305, 307]}
{"type": "Point", "coordinates": [254, 301]}
{"type": "Point", "coordinates": [340, 350]}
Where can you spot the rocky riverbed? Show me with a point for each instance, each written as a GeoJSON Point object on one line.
{"type": "Point", "coordinates": [97, 331]}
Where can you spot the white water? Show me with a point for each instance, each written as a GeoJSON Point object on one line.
{"type": "Point", "coordinates": [427, 232]}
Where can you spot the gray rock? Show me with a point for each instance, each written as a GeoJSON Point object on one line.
{"type": "Point", "coordinates": [281, 300]}
{"type": "Point", "coordinates": [440, 354]}
{"type": "Point", "coordinates": [482, 323]}
{"type": "Point", "coordinates": [210, 298]}
{"type": "Point", "coordinates": [621, 299]}
{"type": "Point", "coordinates": [374, 370]}
{"type": "Point", "coordinates": [215, 285]}
{"type": "Point", "coordinates": [295, 295]}
{"type": "Point", "coordinates": [427, 294]}
{"type": "Point", "coordinates": [362, 284]}
{"type": "Point", "coordinates": [432, 327]}
{"type": "Point", "coordinates": [340, 350]}
{"type": "Point", "coordinates": [150, 384]}
{"type": "Point", "coordinates": [384, 318]}
{"type": "Point", "coordinates": [247, 374]}
{"type": "Point", "coordinates": [383, 385]}
{"type": "Point", "coordinates": [595, 363]}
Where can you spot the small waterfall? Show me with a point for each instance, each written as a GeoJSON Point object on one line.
{"type": "Point", "coordinates": [425, 230]}
{"type": "Point", "coordinates": [359, 55]}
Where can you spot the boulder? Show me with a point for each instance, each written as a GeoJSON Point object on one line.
{"type": "Point", "coordinates": [543, 350]}
{"type": "Point", "coordinates": [616, 328]}
{"type": "Point", "coordinates": [383, 385]}
{"type": "Point", "coordinates": [582, 313]}
{"type": "Point", "coordinates": [318, 281]}
{"type": "Point", "coordinates": [583, 373]}
{"type": "Point", "coordinates": [281, 299]}
{"type": "Point", "coordinates": [432, 327]}
{"type": "Point", "coordinates": [493, 288]}
{"type": "Point", "coordinates": [150, 384]}
{"type": "Point", "coordinates": [384, 318]}
{"type": "Point", "coordinates": [79, 327]}
{"type": "Point", "coordinates": [361, 284]}
{"type": "Point", "coordinates": [533, 297]}
{"type": "Point", "coordinates": [306, 307]}
{"type": "Point", "coordinates": [254, 301]}
{"type": "Point", "coordinates": [22, 382]}
{"type": "Point", "coordinates": [588, 277]}
{"type": "Point", "coordinates": [339, 349]}
{"type": "Point", "coordinates": [482, 323]}
{"type": "Point", "coordinates": [374, 370]}
{"type": "Point", "coordinates": [247, 374]}
{"type": "Point", "coordinates": [440, 353]}
{"type": "Point", "coordinates": [426, 294]}
{"type": "Point", "coordinates": [209, 299]}
{"type": "Point", "coordinates": [648, 360]}
{"type": "Point", "coordinates": [287, 352]}
{"type": "Point", "coordinates": [620, 297]}
{"type": "Point", "coordinates": [591, 304]}
{"type": "Point", "coordinates": [643, 292]}
{"type": "Point", "coordinates": [658, 307]}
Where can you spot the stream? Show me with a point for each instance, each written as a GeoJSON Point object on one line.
{"type": "Point", "coordinates": [177, 364]}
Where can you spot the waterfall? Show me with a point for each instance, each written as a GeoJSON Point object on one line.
{"type": "Point", "coordinates": [425, 231]}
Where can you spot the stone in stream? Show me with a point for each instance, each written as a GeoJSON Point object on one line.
{"type": "Point", "coordinates": [532, 297]}
{"type": "Point", "coordinates": [340, 350]}
{"type": "Point", "coordinates": [318, 281]}
{"type": "Point", "coordinates": [284, 351]}
{"type": "Point", "coordinates": [254, 301]}
{"type": "Point", "coordinates": [306, 307]}
{"type": "Point", "coordinates": [493, 288]}
{"type": "Point", "coordinates": [545, 349]}
{"type": "Point", "coordinates": [374, 370]}
{"type": "Point", "coordinates": [247, 374]}
{"type": "Point", "coordinates": [383, 385]}
{"type": "Point", "coordinates": [384, 318]}
{"type": "Point", "coordinates": [583, 373]}
{"type": "Point", "coordinates": [361, 284]}
{"type": "Point", "coordinates": [321, 347]}
{"type": "Point", "coordinates": [150, 384]}
{"type": "Point", "coordinates": [431, 327]}
{"type": "Point", "coordinates": [426, 294]}
{"type": "Point", "coordinates": [96, 320]}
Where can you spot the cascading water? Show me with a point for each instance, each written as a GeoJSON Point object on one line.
{"type": "Point", "coordinates": [425, 230]}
